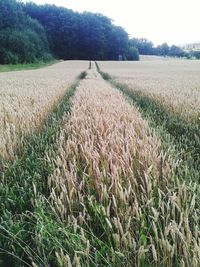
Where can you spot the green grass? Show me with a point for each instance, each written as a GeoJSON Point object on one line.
{"type": "Point", "coordinates": [90, 65]}
{"type": "Point", "coordinates": [31, 66]}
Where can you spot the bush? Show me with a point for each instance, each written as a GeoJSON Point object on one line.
{"type": "Point", "coordinates": [195, 54]}
{"type": "Point", "coordinates": [176, 51]}
{"type": "Point", "coordinates": [7, 57]}
{"type": "Point", "coordinates": [132, 54]}
{"type": "Point", "coordinates": [22, 46]}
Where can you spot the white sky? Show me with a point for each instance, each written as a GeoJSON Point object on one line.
{"type": "Point", "coordinates": [171, 21]}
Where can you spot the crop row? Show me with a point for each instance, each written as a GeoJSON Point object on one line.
{"type": "Point", "coordinates": [115, 187]}
{"type": "Point", "coordinates": [97, 187]}
{"type": "Point", "coordinates": [172, 83]}
{"type": "Point", "coordinates": [26, 97]}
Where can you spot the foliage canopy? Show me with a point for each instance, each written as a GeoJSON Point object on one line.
{"type": "Point", "coordinates": [31, 32]}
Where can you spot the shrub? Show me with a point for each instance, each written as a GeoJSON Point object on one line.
{"type": "Point", "coordinates": [132, 54]}
{"type": "Point", "coordinates": [195, 54]}
{"type": "Point", "coordinates": [21, 46]}
{"type": "Point", "coordinates": [7, 57]}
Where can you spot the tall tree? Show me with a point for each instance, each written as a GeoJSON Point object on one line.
{"type": "Point", "coordinates": [22, 39]}
{"type": "Point", "coordinates": [163, 50]}
{"type": "Point", "coordinates": [79, 36]}
{"type": "Point", "coordinates": [144, 46]}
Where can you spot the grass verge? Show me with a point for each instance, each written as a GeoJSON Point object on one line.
{"type": "Point", "coordinates": [31, 66]}
{"type": "Point", "coordinates": [23, 188]}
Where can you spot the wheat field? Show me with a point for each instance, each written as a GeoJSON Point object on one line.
{"type": "Point", "coordinates": [26, 97]}
{"type": "Point", "coordinates": [173, 83]}
{"type": "Point", "coordinates": [99, 184]}
{"type": "Point", "coordinates": [109, 163]}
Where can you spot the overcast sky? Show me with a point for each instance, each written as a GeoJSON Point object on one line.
{"type": "Point", "coordinates": [172, 21]}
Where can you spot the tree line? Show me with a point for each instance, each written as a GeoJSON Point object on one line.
{"type": "Point", "coordinates": [31, 32]}
{"type": "Point", "coordinates": [73, 35]}
{"type": "Point", "coordinates": [146, 47]}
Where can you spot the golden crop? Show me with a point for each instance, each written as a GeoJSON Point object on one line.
{"type": "Point", "coordinates": [26, 97]}
{"type": "Point", "coordinates": [115, 195]}
{"type": "Point", "coordinates": [110, 162]}
{"type": "Point", "coordinates": [174, 83]}
{"type": "Point", "coordinates": [108, 137]}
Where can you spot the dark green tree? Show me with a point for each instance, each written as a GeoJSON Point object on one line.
{"type": "Point", "coordinates": [132, 54]}
{"type": "Point", "coordinates": [176, 51]}
{"type": "Point", "coordinates": [195, 54]}
{"type": "Point", "coordinates": [79, 36]}
{"type": "Point", "coordinates": [144, 46]}
{"type": "Point", "coordinates": [22, 39]}
{"type": "Point", "coordinates": [163, 49]}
